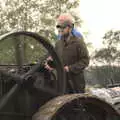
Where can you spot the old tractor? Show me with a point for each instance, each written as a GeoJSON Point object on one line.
{"type": "Point", "coordinates": [37, 94]}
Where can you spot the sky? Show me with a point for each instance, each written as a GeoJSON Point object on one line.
{"type": "Point", "coordinates": [98, 17]}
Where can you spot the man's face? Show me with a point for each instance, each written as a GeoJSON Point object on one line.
{"type": "Point", "coordinates": [63, 29]}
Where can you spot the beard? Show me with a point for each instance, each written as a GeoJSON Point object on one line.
{"type": "Point", "coordinates": [65, 36]}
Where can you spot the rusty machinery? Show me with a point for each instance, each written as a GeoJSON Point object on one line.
{"type": "Point", "coordinates": [21, 99]}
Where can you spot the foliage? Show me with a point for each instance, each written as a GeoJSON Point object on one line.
{"type": "Point", "coordinates": [110, 53]}
{"type": "Point", "coordinates": [104, 75]}
{"type": "Point", "coordinates": [32, 15]}
{"type": "Point", "coordinates": [7, 51]}
{"type": "Point", "coordinates": [107, 59]}
{"type": "Point", "coordinates": [35, 15]}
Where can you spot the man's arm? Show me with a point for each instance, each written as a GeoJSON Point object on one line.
{"type": "Point", "coordinates": [83, 56]}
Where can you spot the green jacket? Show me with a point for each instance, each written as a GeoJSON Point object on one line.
{"type": "Point", "coordinates": [73, 53]}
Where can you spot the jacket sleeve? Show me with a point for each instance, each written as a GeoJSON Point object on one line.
{"type": "Point", "coordinates": [83, 58]}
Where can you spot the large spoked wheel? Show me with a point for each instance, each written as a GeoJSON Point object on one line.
{"type": "Point", "coordinates": [59, 87]}
{"type": "Point", "coordinates": [76, 107]}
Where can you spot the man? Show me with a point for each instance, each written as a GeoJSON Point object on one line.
{"type": "Point", "coordinates": [73, 54]}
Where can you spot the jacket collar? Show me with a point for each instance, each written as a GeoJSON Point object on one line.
{"type": "Point", "coordinates": [68, 40]}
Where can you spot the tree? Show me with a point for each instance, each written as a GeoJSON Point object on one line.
{"type": "Point", "coordinates": [34, 15]}
{"type": "Point", "coordinates": [109, 57]}
{"type": "Point", "coordinates": [110, 53]}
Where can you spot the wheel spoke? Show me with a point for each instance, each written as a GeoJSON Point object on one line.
{"type": "Point", "coordinates": [7, 97]}
{"type": "Point", "coordinates": [34, 69]}
{"type": "Point", "coordinates": [15, 77]}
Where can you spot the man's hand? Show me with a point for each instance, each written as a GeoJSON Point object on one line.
{"type": "Point", "coordinates": [50, 58]}
{"type": "Point", "coordinates": [66, 68]}
{"type": "Point", "coordinates": [48, 67]}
